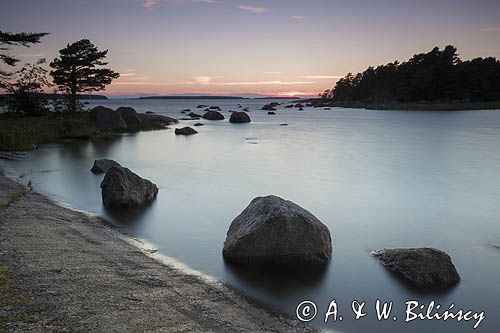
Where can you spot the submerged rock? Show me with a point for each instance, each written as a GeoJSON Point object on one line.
{"type": "Point", "coordinates": [202, 106]}
{"type": "Point", "coordinates": [275, 231]}
{"type": "Point", "coordinates": [199, 124]}
{"type": "Point", "coordinates": [213, 115]}
{"type": "Point", "coordinates": [103, 165]}
{"type": "Point", "coordinates": [129, 115]}
{"type": "Point", "coordinates": [239, 117]}
{"type": "Point", "coordinates": [185, 131]}
{"type": "Point", "coordinates": [425, 268]}
{"type": "Point", "coordinates": [289, 106]}
{"type": "Point", "coordinates": [107, 119]}
{"type": "Point", "coordinates": [271, 113]}
{"type": "Point", "coordinates": [299, 105]}
{"type": "Point", "coordinates": [283, 124]}
{"type": "Point", "coordinates": [121, 188]}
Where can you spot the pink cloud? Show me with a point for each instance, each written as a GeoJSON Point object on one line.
{"type": "Point", "coordinates": [254, 10]}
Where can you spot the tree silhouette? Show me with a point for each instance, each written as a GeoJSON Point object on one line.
{"type": "Point", "coordinates": [26, 93]}
{"type": "Point", "coordinates": [8, 39]}
{"type": "Point", "coordinates": [435, 76]}
{"type": "Point", "coordinates": [78, 69]}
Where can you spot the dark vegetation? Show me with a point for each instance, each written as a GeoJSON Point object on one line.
{"type": "Point", "coordinates": [30, 116]}
{"type": "Point", "coordinates": [437, 77]}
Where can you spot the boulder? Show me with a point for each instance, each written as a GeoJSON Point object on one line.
{"type": "Point", "coordinates": [185, 131]}
{"type": "Point", "coordinates": [271, 113]}
{"type": "Point", "coordinates": [213, 115]}
{"type": "Point", "coordinates": [268, 107]}
{"type": "Point", "coordinates": [239, 117]}
{"type": "Point", "coordinates": [157, 118]}
{"type": "Point", "coordinates": [194, 115]}
{"type": "Point", "coordinates": [424, 268]}
{"type": "Point", "coordinates": [107, 119]}
{"type": "Point", "coordinates": [274, 231]}
{"type": "Point", "coordinates": [129, 115]}
{"type": "Point", "coordinates": [103, 165]}
{"type": "Point", "coordinates": [121, 188]}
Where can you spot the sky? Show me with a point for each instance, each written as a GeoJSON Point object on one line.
{"type": "Point", "coordinates": [251, 47]}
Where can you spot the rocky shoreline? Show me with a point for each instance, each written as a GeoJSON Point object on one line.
{"type": "Point", "coordinates": [66, 271]}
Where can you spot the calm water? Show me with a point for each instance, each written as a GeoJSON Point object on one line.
{"type": "Point", "coordinates": [375, 178]}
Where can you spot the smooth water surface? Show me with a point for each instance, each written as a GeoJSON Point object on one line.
{"type": "Point", "coordinates": [375, 178]}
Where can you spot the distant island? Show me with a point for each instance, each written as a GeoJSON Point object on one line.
{"type": "Point", "coordinates": [212, 97]}
{"type": "Point", "coordinates": [437, 80]}
{"type": "Point", "coordinates": [192, 97]}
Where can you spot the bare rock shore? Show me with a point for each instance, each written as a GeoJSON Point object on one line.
{"type": "Point", "coordinates": [63, 271]}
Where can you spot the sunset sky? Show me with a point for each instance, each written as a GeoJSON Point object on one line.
{"type": "Point", "coordinates": [268, 47]}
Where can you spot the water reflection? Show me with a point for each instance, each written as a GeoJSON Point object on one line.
{"type": "Point", "coordinates": [277, 282]}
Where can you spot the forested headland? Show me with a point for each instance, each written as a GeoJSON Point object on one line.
{"type": "Point", "coordinates": [435, 77]}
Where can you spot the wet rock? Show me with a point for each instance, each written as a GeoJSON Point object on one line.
{"type": "Point", "coordinates": [213, 115]}
{"type": "Point", "coordinates": [299, 105]}
{"type": "Point", "coordinates": [268, 107]}
{"type": "Point", "coordinates": [327, 108]}
{"type": "Point", "coordinates": [271, 113]}
{"type": "Point", "coordinates": [157, 118]}
{"type": "Point", "coordinates": [199, 124]}
{"type": "Point", "coordinates": [185, 131]}
{"type": "Point", "coordinates": [283, 124]}
{"type": "Point", "coordinates": [129, 115]}
{"type": "Point", "coordinates": [425, 268]}
{"type": "Point", "coordinates": [239, 117]}
{"type": "Point", "coordinates": [289, 106]}
{"type": "Point", "coordinates": [214, 108]}
{"type": "Point", "coordinates": [301, 109]}
{"type": "Point", "coordinates": [149, 112]}
{"type": "Point", "coordinates": [194, 115]}
{"type": "Point", "coordinates": [246, 110]}
{"type": "Point", "coordinates": [274, 231]}
{"type": "Point", "coordinates": [121, 188]}
{"type": "Point", "coordinates": [202, 106]}
{"type": "Point", "coordinates": [107, 119]}
{"type": "Point", "coordinates": [103, 165]}
{"type": "Point", "coordinates": [187, 110]}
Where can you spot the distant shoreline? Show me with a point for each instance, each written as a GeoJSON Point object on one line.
{"type": "Point", "coordinates": [212, 97]}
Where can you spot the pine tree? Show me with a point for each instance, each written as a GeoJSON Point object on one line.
{"type": "Point", "coordinates": [78, 69]}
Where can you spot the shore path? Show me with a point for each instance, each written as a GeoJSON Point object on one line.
{"type": "Point", "coordinates": [63, 271]}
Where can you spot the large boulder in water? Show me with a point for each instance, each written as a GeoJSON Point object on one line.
{"type": "Point", "coordinates": [213, 115]}
{"type": "Point", "coordinates": [185, 131]}
{"type": "Point", "coordinates": [121, 188]}
{"type": "Point", "coordinates": [103, 165]}
{"type": "Point", "coordinates": [274, 231]}
{"type": "Point", "coordinates": [129, 115]}
{"type": "Point", "coordinates": [425, 268]}
{"type": "Point", "coordinates": [107, 119]}
{"type": "Point", "coordinates": [239, 117]}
